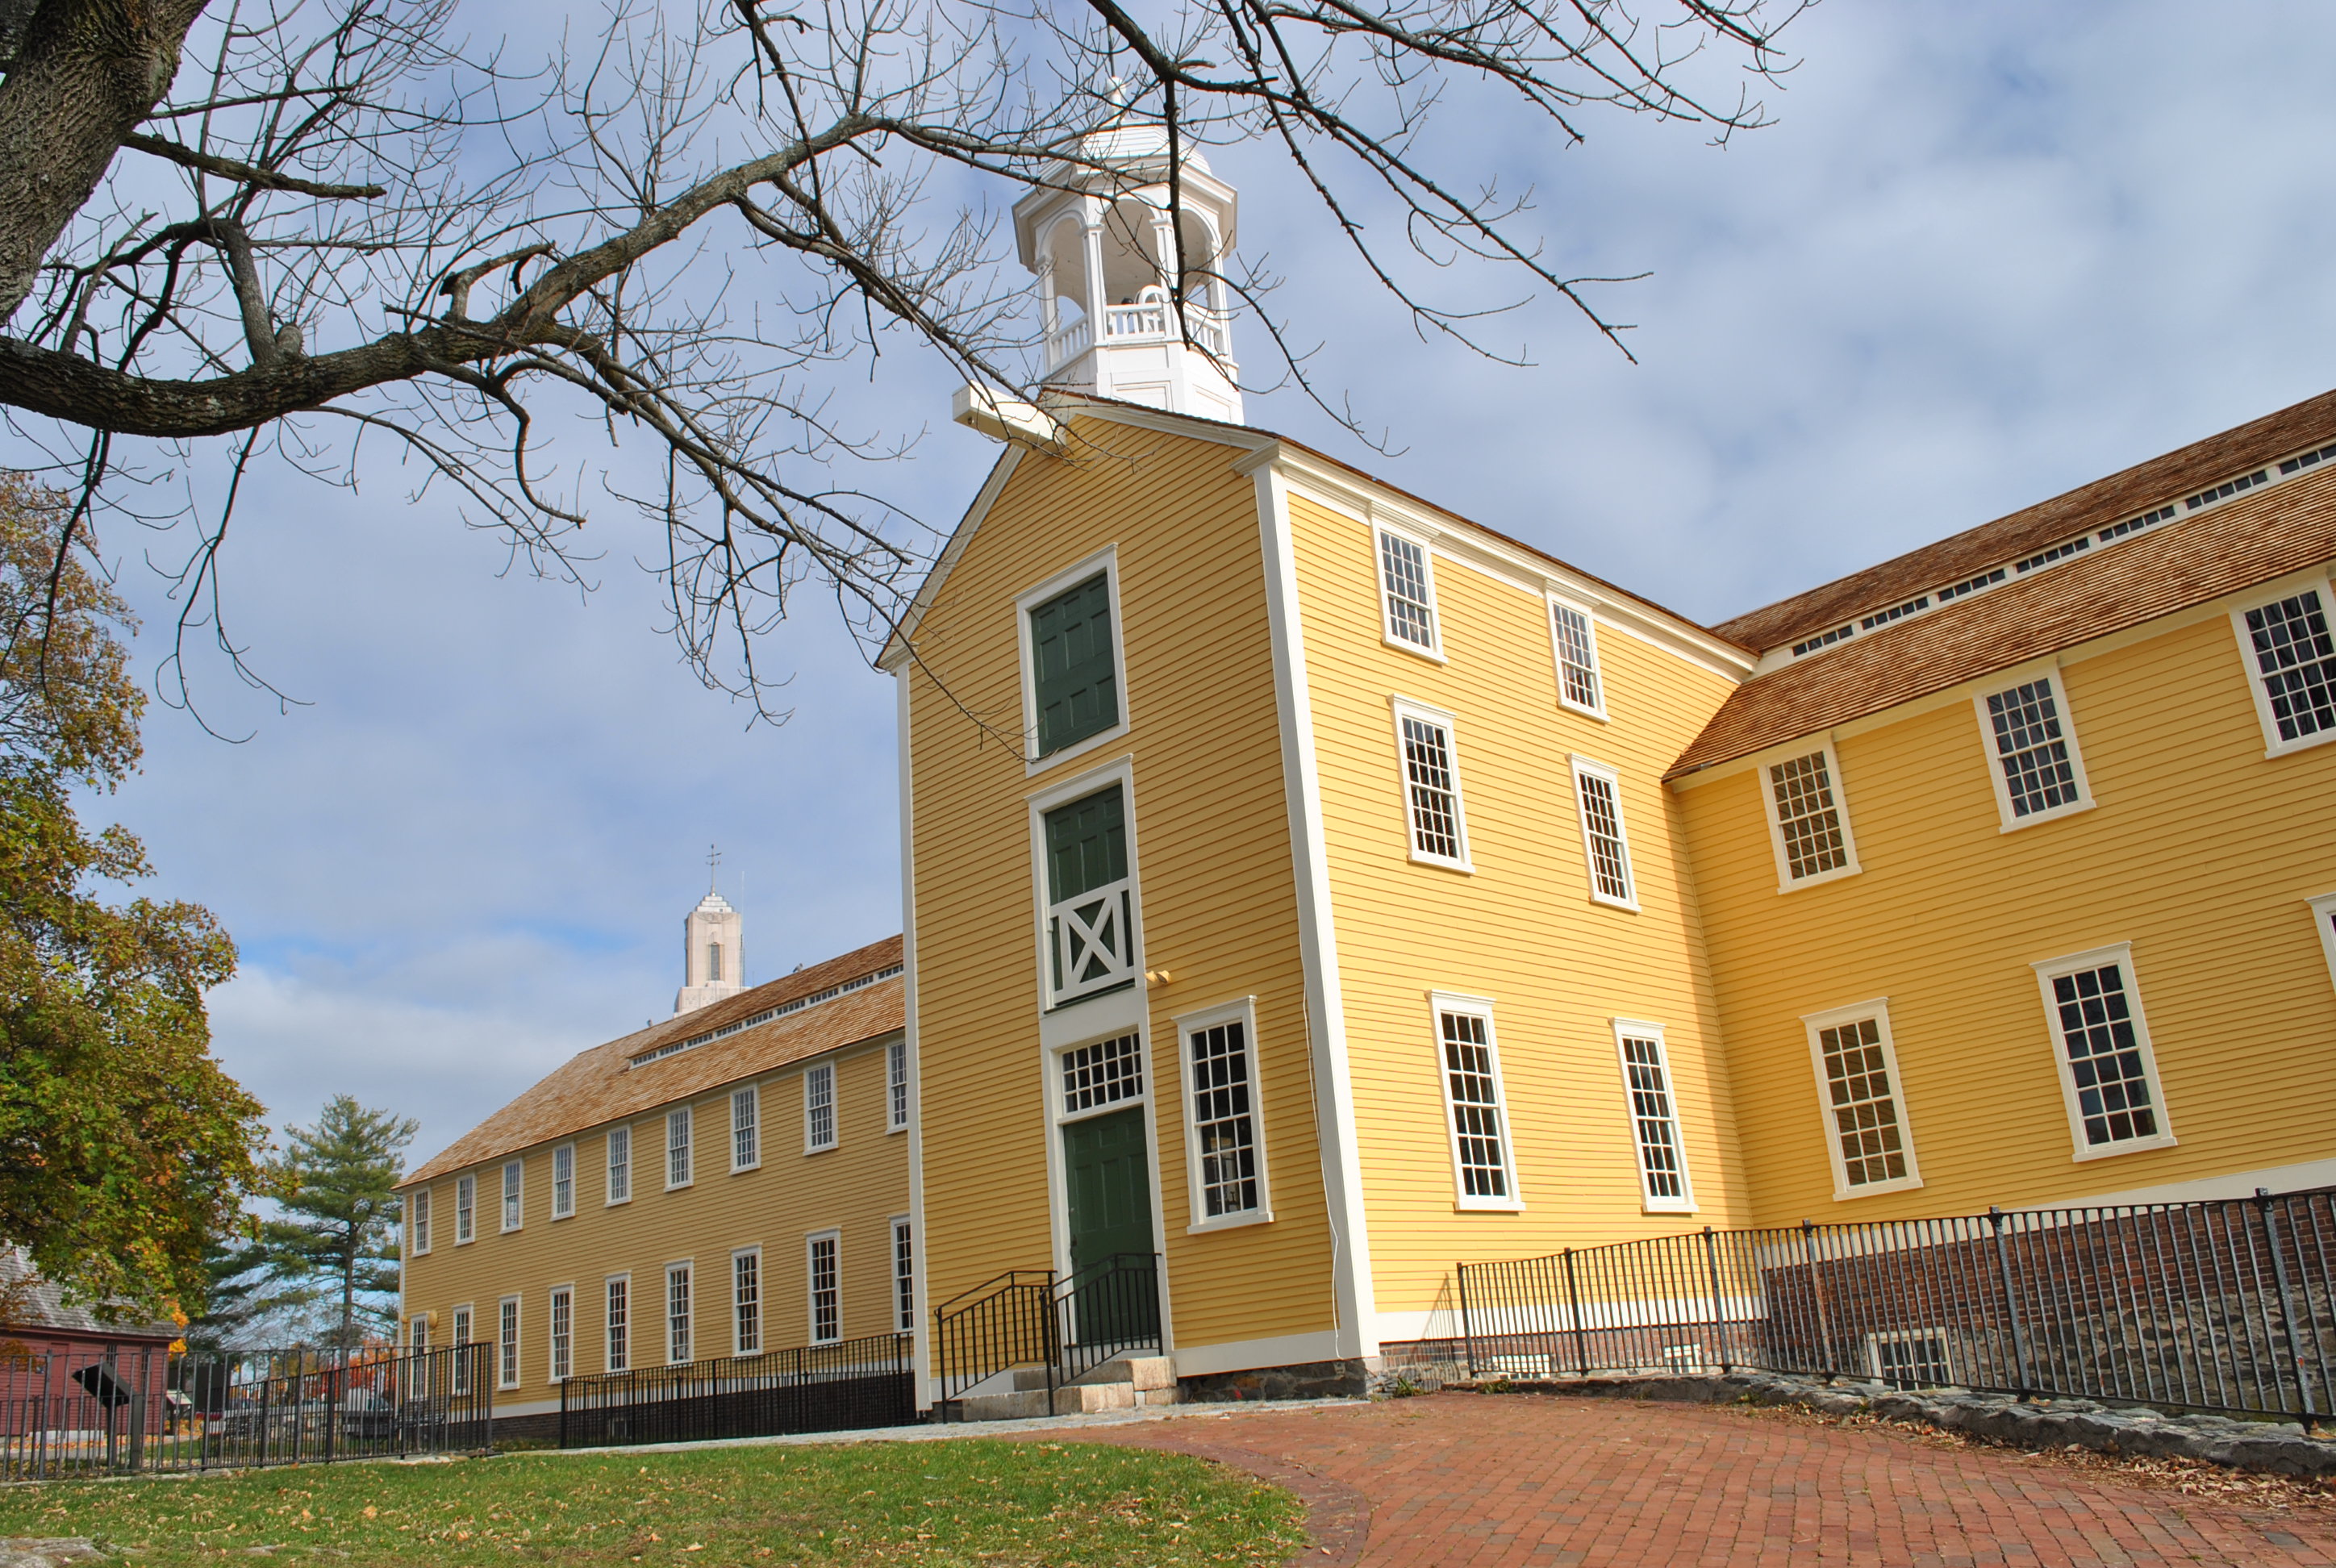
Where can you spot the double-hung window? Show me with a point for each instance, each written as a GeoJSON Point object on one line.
{"type": "Point", "coordinates": [2108, 1075]}
{"type": "Point", "coordinates": [2033, 761]}
{"type": "Point", "coordinates": [1071, 649]}
{"type": "Point", "coordinates": [1808, 822]}
{"type": "Point", "coordinates": [459, 1336]}
{"type": "Point", "coordinates": [1598, 792]}
{"type": "Point", "coordinates": [466, 1208]}
{"type": "Point", "coordinates": [1433, 816]}
{"type": "Point", "coordinates": [514, 1175]}
{"type": "Point", "coordinates": [1866, 1136]}
{"type": "Point", "coordinates": [563, 1181]}
{"type": "Point", "coordinates": [620, 1165]}
{"type": "Point", "coordinates": [677, 1149]}
{"type": "Point", "coordinates": [746, 1301]}
{"type": "Point", "coordinates": [1225, 1150]}
{"type": "Point", "coordinates": [1483, 1168]}
{"type": "Point", "coordinates": [418, 1223]}
{"type": "Point", "coordinates": [1576, 641]}
{"type": "Point", "coordinates": [560, 1308]}
{"type": "Point", "coordinates": [896, 1086]}
{"type": "Point", "coordinates": [826, 1288]}
{"type": "Point", "coordinates": [677, 1308]}
{"type": "Point", "coordinates": [819, 1108]}
{"type": "Point", "coordinates": [1654, 1117]}
{"type": "Point", "coordinates": [904, 1274]}
{"type": "Point", "coordinates": [507, 1344]}
{"type": "Point", "coordinates": [2291, 660]}
{"type": "Point", "coordinates": [1091, 913]}
{"type": "Point", "coordinates": [746, 1129]}
{"type": "Point", "coordinates": [1407, 594]}
{"type": "Point", "coordinates": [618, 1323]}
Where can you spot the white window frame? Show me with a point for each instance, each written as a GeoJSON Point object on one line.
{"type": "Point", "coordinates": [559, 1360]}
{"type": "Point", "coordinates": [1557, 654]}
{"type": "Point", "coordinates": [510, 1338]}
{"type": "Point", "coordinates": [896, 1086]}
{"type": "Point", "coordinates": [466, 1209]}
{"type": "Point", "coordinates": [2273, 743]}
{"type": "Point", "coordinates": [815, 1076]}
{"type": "Point", "coordinates": [746, 1136]}
{"type": "Point", "coordinates": [1434, 650]}
{"type": "Point", "coordinates": [2323, 920]}
{"type": "Point", "coordinates": [1876, 1340]}
{"type": "Point", "coordinates": [1816, 1024]}
{"type": "Point", "coordinates": [1438, 1004]}
{"type": "Point", "coordinates": [611, 1164]}
{"type": "Point", "coordinates": [738, 1345]}
{"type": "Point", "coordinates": [1241, 1012]}
{"type": "Point", "coordinates": [811, 1285]}
{"type": "Point", "coordinates": [418, 1223]}
{"type": "Point", "coordinates": [1404, 707]}
{"type": "Point", "coordinates": [1120, 771]}
{"type": "Point", "coordinates": [686, 1147]}
{"type": "Point", "coordinates": [1769, 812]}
{"type": "Point", "coordinates": [461, 1320]}
{"type": "Point", "coordinates": [513, 1213]}
{"type": "Point", "coordinates": [611, 1358]}
{"type": "Point", "coordinates": [2011, 822]}
{"type": "Point", "coordinates": [686, 1339]}
{"type": "Point", "coordinates": [904, 1280]}
{"type": "Point", "coordinates": [2050, 970]}
{"type": "Point", "coordinates": [1106, 560]}
{"type": "Point", "coordinates": [563, 1154]}
{"type": "Point", "coordinates": [417, 1332]}
{"type": "Point", "coordinates": [1649, 1201]}
{"type": "Point", "coordinates": [1587, 766]}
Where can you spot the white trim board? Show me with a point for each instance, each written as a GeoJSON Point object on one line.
{"type": "Point", "coordinates": [1242, 1355]}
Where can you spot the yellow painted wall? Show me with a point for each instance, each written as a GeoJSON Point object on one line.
{"type": "Point", "coordinates": [1521, 929]}
{"type": "Point", "coordinates": [1211, 830]}
{"type": "Point", "coordinates": [2200, 853]}
{"type": "Point", "coordinates": [855, 1187]}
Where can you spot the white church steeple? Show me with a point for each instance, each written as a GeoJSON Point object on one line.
{"type": "Point", "coordinates": [1104, 252]}
{"type": "Point", "coordinates": [713, 955]}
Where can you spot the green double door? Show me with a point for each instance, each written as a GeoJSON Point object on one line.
{"type": "Point", "coordinates": [1108, 1177]}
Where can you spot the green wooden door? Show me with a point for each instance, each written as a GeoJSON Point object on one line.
{"type": "Point", "coordinates": [1109, 1181]}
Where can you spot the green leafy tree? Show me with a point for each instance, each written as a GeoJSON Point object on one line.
{"type": "Point", "coordinates": [336, 1243]}
{"type": "Point", "coordinates": [124, 1149]}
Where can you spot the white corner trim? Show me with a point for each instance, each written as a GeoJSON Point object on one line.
{"type": "Point", "coordinates": [922, 1348]}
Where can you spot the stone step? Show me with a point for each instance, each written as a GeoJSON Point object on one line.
{"type": "Point", "coordinates": [1122, 1384]}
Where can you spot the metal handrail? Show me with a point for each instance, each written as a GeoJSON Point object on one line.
{"type": "Point", "coordinates": [1029, 1317]}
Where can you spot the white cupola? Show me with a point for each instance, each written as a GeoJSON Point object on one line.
{"type": "Point", "coordinates": [1103, 249]}
{"type": "Point", "coordinates": [713, 955]}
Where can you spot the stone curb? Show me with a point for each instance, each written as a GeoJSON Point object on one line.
{"type": "Point", "coordinates": [2274, 1447]}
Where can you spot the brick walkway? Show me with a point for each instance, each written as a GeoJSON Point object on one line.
{"type": "Point", "coordinates": [1533, 1481]}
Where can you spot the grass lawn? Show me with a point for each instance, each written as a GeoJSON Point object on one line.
{"type": "Point", "coordinates": [972, 1501]}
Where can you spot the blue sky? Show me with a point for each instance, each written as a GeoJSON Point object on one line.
{"type": "Point", "coordinates": [1989, 251]}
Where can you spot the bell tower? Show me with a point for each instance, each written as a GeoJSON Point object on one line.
{"type": "Point", "coordinates": [1103, 247]}
{"type": "Point", "coordinates": [712, 952]}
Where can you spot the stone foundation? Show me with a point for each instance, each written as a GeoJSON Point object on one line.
{"type": "Point", "coordinates": [1347, 1379]}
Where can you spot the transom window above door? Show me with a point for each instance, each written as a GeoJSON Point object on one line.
{"type": "Point", "coordinates": [1074, 666]}
{"type": "Point", "coordinates": [1090, 898]}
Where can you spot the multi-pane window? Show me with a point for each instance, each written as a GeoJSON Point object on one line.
{"type": "Point", "coordinates": [746, 1129]}
{"type": "Point", "coordinates": [417, 1221]}
{"type": "Point", "coordinates": [507, 1344]}
{"type": "Point", "coordinates": [1600, 794]}
{"type": "Point", "coordinates": [676, 1313]}
{"type": "Point", "coordinates": [562, 1308]}
{"type": "Point", "coordinates": [459, 1336]}
{"type": "Point", "coordinates": [676, 1148]}
{"type": "Point", "coordinates": [1103, 1074]}
{"type": "Point", "coordinates": [2294, 661]}
{"type": "Point", "coordinates": [1471, 1093]}
{"type": "Point", "coordinates": [1074, 670]}
{"type": "Point", "coordinates": [826, 1300]}
{"type": "Point", "coordinates": [1654, 1117]}
{"type": "Point", "coordinates": [2037, 767]}
{"type": "Point", "coordinates": [563, 1181]}
{"type": "Point", "coordinates": [819, 1108]}
{"type": "Point", "coordinates": [1409, 593]}
{"type": "Point", "coordinates": [1224, 1117]}
{"type": "Point", "coordinates": [904, 1275]}
{"type": "Point", "coordinates": [619, 1323]}
{"type": "Point", "coordinates": [896, 1085]}
{"type": "Point", "coordinates": [746, 1301]}
{"type": "Point", "coordinates": [1431, 779]}
{"type": "Point", "coordinates": [1869, 1137]}
{"type": "Point", "coordinates": [1912, 1359]}
{"type": "Point", "coordinates": [620, 1165]}
{"type": "Point", "coordinates": [2105, 1057]}
{"type": "Point", "coordinates": [1090, 897]}
{"type": "Point", "coordinates": [466, 1208]}
{"type": "Point", "coordinates": [514, 1173]}
{"type": "Point", "coordinates": [1577, 659]}
{"type": "Point", "coordinates": [417, 1332]}
{"type": "Point", "coordinates": [1811, 837]}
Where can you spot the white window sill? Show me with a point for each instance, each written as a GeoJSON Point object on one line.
{"type": "Point", "coordinates": [1077, 748]}
{"type": "Point", "coordinates": [511, 1230]}
{"type": "Point", "coordinates": [466, 1242]}
{"type": "Point", "coordinates": [616, 1202]}
{"type": "Point", "coordinates": [1489, 1205]}
{"type": "Point", "coordinates": [1432, 655]}
{"type": "Point", "coordinates": [1596, 713]}
{"type": "Point", "coordinates": [1613, 903]}
{"type": "Point", "coordinates": [1874, 1188]}
{"type": "Point", "coordinates": [1442, 864]}
{"type": "Point", "coordinates": [2130, 1146]}
{"type": "Point", "coordinates": [1659, 1207]}
{"type": "Point", "coordinates": [901, 1128]}
{"type": "Point", "coordinates": [1834, 875]}
{"type": "Point", "coordinates": [2072, 809]}
{"type": "Point", "coordinates": [568, 1215]}
{"type": "Point", "coordinates": [680, 1186]}
{"type": "Point", "coordinates": [822, 1149]}
{"type": "Point", "coordinates": [741, 1170]}
{"type": "Point", "coordinates": [2305, 743]}
{"type": "Point", "coordinates": [1230, 1223]}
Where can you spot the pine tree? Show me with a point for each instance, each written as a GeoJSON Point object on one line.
{"type": "Point", "coordinates": [336, 1241]}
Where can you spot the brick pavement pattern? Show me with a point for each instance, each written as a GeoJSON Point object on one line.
{"type": "Point", "coordinates": [1536, 1481]}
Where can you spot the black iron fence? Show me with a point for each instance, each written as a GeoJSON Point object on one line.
{"type": "Point", "coordinates": [94, 1410]}
{"type": "Point", "coordinates": [1058, 1328]}
{"type": "Point", "coordinates": [842, 1386]}
{"type": "Point", "coordinates": [2222, 1305]}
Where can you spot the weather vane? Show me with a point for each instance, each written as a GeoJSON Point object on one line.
{"type": "Point", "coordinates": [712, 865]}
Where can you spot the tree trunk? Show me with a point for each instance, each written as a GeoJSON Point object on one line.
{"type": "Point", "coordinates": [84, 76]}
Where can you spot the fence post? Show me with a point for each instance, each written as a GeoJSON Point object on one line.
{"type": "Point", "coordinates": [1817, 1294]}
{"type": "Point", "coordinates": [1995, 1217]}
{"type": "Point", "coordinates": [1718, 1307]}
{"type": "Point", "coordinates": [1468, 1328]}
{"type": "Point", "coordinates": [2287, 1305]}
{"type": "Point", "coordinates": [1574, 1301]}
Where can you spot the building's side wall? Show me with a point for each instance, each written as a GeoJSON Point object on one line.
{"type": "Point", "coordinates": [1213, 858]}
{"type": "Point", "coordinates": [2201, 852]}
{"type": "Point", "coordinates": [1521, 929]}
{"type": "Point", "coordinates": [855, 1187]}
